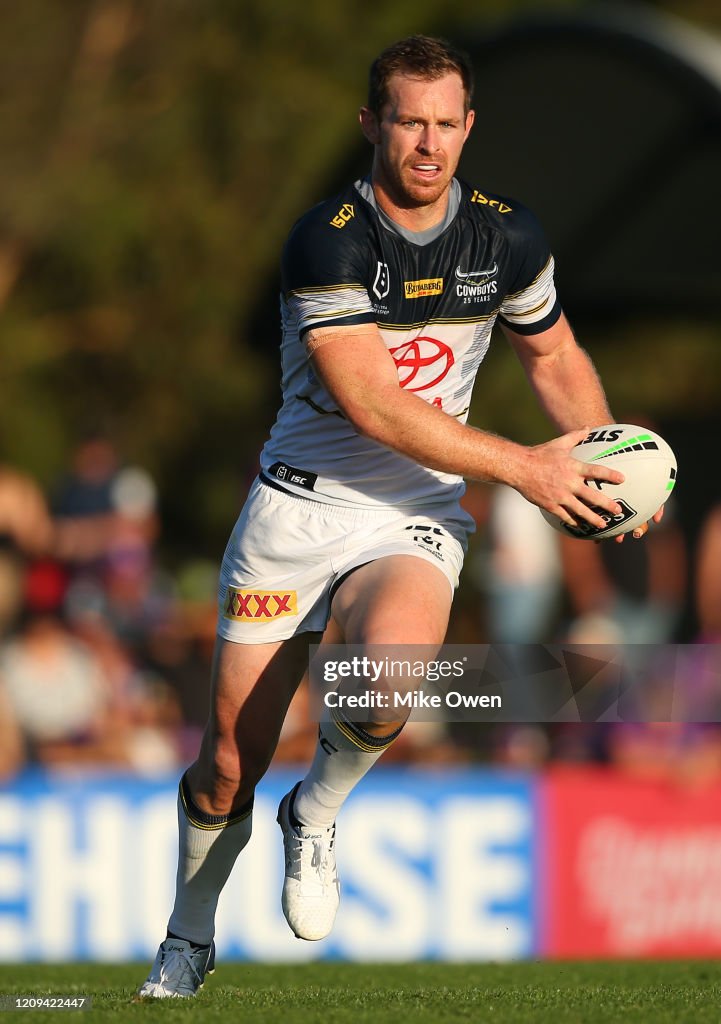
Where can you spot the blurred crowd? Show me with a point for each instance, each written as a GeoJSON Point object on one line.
{"type": "Point", "coordinates": [105, 652]}
{"type": "Point", "coordinates": [103, 657]}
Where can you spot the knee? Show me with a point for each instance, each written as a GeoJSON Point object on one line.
{"type": "Point", "coordinates": [227, 774]}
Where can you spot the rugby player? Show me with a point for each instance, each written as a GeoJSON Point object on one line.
{"type": "Point", "coordinates": [389, 295]}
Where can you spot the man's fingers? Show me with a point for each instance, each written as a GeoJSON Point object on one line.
{"type": "Point", "coordinates": [569, 440]}
{"type": "Point", "coordinates": [595, 471]}
{"type": "Point", "coordinates": [591, 496]}
{"type": "Point", "coordinates": [576, 436]}
{"type": "Point", "coordinates": [583, 511]}
{"type": "Point", "coordinates": [576, 511]}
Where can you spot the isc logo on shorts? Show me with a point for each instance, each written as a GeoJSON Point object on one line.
{"type": "Point", "coordinates": [259, 605]}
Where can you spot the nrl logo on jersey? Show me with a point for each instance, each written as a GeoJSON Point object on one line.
{"type": "Point", "coordinates": [382, 283]}
{"type": "Point", "coordinates": [429, 286]}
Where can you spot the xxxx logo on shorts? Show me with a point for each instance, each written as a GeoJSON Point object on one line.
{"type": "Point", "coordinates": [259, 605]}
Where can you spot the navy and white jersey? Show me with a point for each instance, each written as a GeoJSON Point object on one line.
{"type": "Point", "coordinates": [434, 296]}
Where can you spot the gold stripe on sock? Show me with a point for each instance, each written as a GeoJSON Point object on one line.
{"type": "Point", "coordinates": [350, 734]}
{"type": "Point", "coordinates": [231, 819]}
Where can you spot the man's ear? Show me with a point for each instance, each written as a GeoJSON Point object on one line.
{"type": "Point", "coordinates": [370, 125]}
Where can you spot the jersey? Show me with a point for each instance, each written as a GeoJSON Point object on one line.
{"type": "Point", "coordinates": [434, 297]}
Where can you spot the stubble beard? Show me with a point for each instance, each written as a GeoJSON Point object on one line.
{"type": "Point", "coordinates": [408, 193]}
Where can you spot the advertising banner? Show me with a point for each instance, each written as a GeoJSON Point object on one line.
{"type": "Point", "coordinates": [631, 868]}
{"type": "Point", "coordinates": [432, 865]}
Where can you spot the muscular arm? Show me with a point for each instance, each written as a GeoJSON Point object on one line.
{"type": "Point", "coordinates": [565, 382]}
{"type": "Point", "coordinates": [359, 373]}
{"type": "Point", "coordinates": [562, 377]}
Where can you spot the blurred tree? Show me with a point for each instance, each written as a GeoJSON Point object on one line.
{"type": "Point", "coordinates": [156, 155]}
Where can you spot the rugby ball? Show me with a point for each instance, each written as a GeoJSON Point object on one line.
{"type": "Point", "coordinates": [649, 466]}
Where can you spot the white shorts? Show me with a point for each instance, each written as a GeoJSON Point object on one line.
{"type": "Point", "coordinates": [287, 555]}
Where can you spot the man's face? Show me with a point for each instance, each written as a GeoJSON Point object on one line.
{"type": "Point", "coordinates": [418, 138]}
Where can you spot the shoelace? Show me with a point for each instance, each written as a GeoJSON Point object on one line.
{"type": "Point", "coordinates": [174, 968]}
{"type": "Point", "coordinates": [319, 859]}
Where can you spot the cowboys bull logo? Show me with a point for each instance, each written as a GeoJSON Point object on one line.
{"type": "Point", "coordinates": [422, 363]}
{"type": "Point", "coordinates": [259, 605]}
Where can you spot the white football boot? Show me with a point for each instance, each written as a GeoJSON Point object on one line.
{"type": "Point", "coordinates": [311, 890]}
{"type": "Point", "coordinates": [179, 970]}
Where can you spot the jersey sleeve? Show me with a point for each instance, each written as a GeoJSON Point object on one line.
{"type": "Point", "coordinates": [323, 270]}
{"type": "Point", "coordinates": [531, 305]}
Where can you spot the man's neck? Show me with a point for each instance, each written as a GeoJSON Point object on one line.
{"type": "Point", "coordinates": [412, 218]}
{"type": "Point", "coordinates": [418, 237]}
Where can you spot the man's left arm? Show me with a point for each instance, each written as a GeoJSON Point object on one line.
{"type": "Point", "coordinates": [565, 382]}
{"type": "Point", "coordinates": [562, 376]}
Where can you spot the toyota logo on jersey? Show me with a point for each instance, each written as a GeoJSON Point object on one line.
{"type": "Point", "coordinates": [422, 362]}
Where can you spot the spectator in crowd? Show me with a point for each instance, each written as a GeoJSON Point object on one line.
{"type": "Point", "coordinates": [54, 684]}
{"type": "Point", "coordinates": [137, 592]}
{"type": "Point", "coordinates": [708, 578]}
{"type": "Point", "coordinates": [523, 571]}
{"type": "Point", "coordinates": [681, 753]}
{"type": "Point", "coordinates": [12, 748]}
{"type": "Point", "coordinates": [12, 576]}
{"type": "Point", "coordinates": [143, 705]}
{"type": "Point", "coordinates": [25, 522]}
{"type": "Point", "coordinates": [84, 490]}
{"type": "Point", "coordinates": [106, 526]}
{"type": "Point", "coordinates": [178, 648]}
{"type": "Point", "coordinates": [76, 696]}
{"type": "Point", "coordinates": [82, 504]}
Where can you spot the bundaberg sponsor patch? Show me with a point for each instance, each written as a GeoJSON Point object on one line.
{"type": "Point", "coordinates": [428, 286]}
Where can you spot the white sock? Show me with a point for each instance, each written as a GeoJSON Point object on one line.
{"type": "Point", "coordinates": [344, 754]}
{"type": "Point", "coordinates": [209, 845]}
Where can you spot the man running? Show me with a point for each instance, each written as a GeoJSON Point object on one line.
{"type": "Point", "coordinates": [390, 293]}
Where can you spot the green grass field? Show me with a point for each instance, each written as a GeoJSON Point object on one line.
{"type": "Point", "coordinates": [583, 993]}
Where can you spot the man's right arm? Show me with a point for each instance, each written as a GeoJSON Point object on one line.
{"type": "Point", "coordinates": [358, 372]}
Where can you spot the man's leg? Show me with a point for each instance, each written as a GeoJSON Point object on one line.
{"type": "Point", "coordinates": [397, 599]}
{"type": "Point", "coordinates": [252, 686]}
{"type": "Point", "coordinates": [400, 599]}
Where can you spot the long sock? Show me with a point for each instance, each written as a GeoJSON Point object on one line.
{"type": "Point", "coordinates": [208, 848]}
{"type": "Point", "coordinates": [344, 754]}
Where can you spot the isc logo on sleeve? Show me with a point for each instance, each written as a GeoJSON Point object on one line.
{"type": "Point", "coordinates": [345, 214]}
{"type": "Point", "coordinates": [259, 605]}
